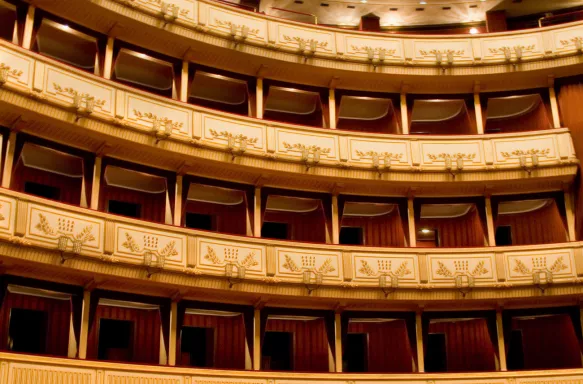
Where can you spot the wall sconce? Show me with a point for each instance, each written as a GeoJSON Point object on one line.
{"type": "Point", "coordinates": [62, 245]}
{"type": "Point", "coordinates": [388, 286]}
{"type": "Point", "coordinates": [169, 12]}
{"type": "Point", "coordinates": [313, 160]}
{"type": "Point", "coordinates": [542, 285]}
{"type": "Point", "coordinates": [307, 48]}
{"type": "Point", "coordinates": [578, 44]}
{"type": "Point", "coordinates": [518, 52]}
{"type": "Point", "coordinates": [153, 266]}
{"type": "Point", "coordinates": [235, 273]}
{"type": "Point", "coordinates": [464, 284]}
{"type": "Point", "coordinates": [3, 74]}
{"type": "Point", "coordinates": [312, 284]}
{"type": "Point", "coordinates": [382, 54]}
{"type": "Point", "coordinates": [236, 146]}
{"type": "Point", "coordinates": [507, 53]}
{"type": "Point", "coordinates": [161, 129]}
{"type": "Point", "coordinates": [450, 57]}
{"type": "Point", "coordinates": [459, 165]}
{"type": "Point", "coordinates": [83, 105]}
{"type": "Point", "coordinates": [438, 57]}
{"type": "Point", "coordinates": [381, 164]}
{"type": "Point", "coordinates": [523, 161]}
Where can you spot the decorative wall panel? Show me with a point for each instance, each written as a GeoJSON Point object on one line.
{"type": "Point", "coordinates": [446, 269]}
{"type": "Point", "coordinates": [148, 113]}
{"type": "Point", "coordinates": [18, 69]}
{"type": "Point", "coordinates": [292, 262]}
{"type": "Point", "coordinates": [214, 254]}
{"type": "Point", "coordinates": [556, 265]}
{"type": "Point", "coordinates": [369, 266]}
{"type": "Point", "coordinates": [233, 22]}
{"type": "Point", "coordinates": [218, 130]}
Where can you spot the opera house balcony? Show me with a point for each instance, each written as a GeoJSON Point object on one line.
{"type": "Point", "coordinates": [275, 192]}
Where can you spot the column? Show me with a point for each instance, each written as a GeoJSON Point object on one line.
{"type": "Point", "coordinates": [257, 339]}
{"type": "Point", "coordinates": [9, 160]}
{"type": "Point", "coordinates": [173, 333]}
{"type": "Point", "coordinates": [108, 61]}
{"type": "Point", "coordinates": [335, 221]}
{"type": "Point", "coordinates": [96, 185]}
{"type": "Point", "coordinates": [411, 221]}
{"type": "Point", "coordinates": [419, 337]}
{"type": "Point", "coordinates": [257, 213]}
{"type": "Point", "coordinates": [178, 201]}
{"type": "Point", "coordinates": [478, 110]}
{"type": "Point", "coordinates": [490, 223]}
{"type": "Point", "coordinates": [338, 341]}
{"type": "Point", "coordinates": [570, 212]}
{"type": "Point", "coordinates": [404, 113]}
{"type": "Point", "coordinates": [84, 331]}
{"type": "Point", "coordinates": [554, 104]}
{"type": "Point", "coordinates": [259, 97]}
{"type": "Point", "coordinates": [28, 28]}
{"type": "Point", "coordinates": [332, 107]}
{"type": "Point", "coordinates": [83, 201]}
{"type": "Point", "coordinates": [184, 82]}
{"type": "Point", "coordinates": [501, 346]}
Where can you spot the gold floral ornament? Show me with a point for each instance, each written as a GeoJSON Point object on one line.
{"type": "Point", "coordinates": [154, 258]}
{"type": "Point", "coordinates": [237, 31]}
{"type": "Point", "coordinates": [308, 264]}
{"type": "Point", "coordinates": [162, 127]}
{"type": "Point", "coordinates": [83, 103]}
{"type": "Point", "coordinates": [464, 278]}
{"type": "Point", "coordinates": [450, 54]}
{"type": "Point", "coordinates": [577, 41]}
{"type": "Point", "coordinates": [518, 51]}
{"type": "Point", "coordinates": [65, 233]}
{"type": "Point", "coordinates": [380, 160]}
{"type": "Point", "coordinates": [7, 72]}
{"type": "Point", "coordinates": [1, 215]}
{"type": "Point", "coordinates": [169, 12]}
{"type": "Point", "coordinates": [539, 267]}
{"type": "Point", "coordinates": [237, 144]}
{"type": "Point", "coordinates": [374, 54]}
{"type": "Point", "coordinates": [449, 158]}
{"type": "Point", "coordinates": [384, 267]}
{"type": "Point", "coordinates": [524, 155]}
{"type": "Point", "coordinates": [307, 47]}
{"type": "Point", "coordinates": [310, 154]}
{"type": "Point", "coordinates": [230, 255]}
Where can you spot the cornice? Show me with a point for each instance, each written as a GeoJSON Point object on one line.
{"type": "Point", "coordinates": [42, 92]}
{"type": "Point", "coordinates": [94, 243]}
{"type": "Point", "coordinates": [205, 31]}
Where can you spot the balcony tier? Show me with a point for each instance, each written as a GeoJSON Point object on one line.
{"type": "Point", "coordinates": [39, 97]}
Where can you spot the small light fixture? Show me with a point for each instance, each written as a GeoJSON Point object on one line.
{"type": "Point", "coordinates": [312, 284]}
{"type": "Point", "coordinates": [389, 285]}
{"type": "Point", "coordinates": [426, 231]}
{"type": "Point", "coordinates": [363, 1]}
{"type": "Point", "coordinates": [232, 277]}
{"type": "Point", "coordinates": [423, 2]}
{"type": "Point", "coordinates": [153, 266]}
{"type": "Point", "coordinates": [474, 31]}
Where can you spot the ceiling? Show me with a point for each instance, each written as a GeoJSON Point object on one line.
{"type": "Point", "coordinates": [405, 12]}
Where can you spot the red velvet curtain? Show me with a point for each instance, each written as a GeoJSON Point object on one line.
{"type": "Point", "coordinates": [58, 320]}
{"type": "Point", "coordinates": [542, 226]}
{"type": "Point", "coordinates": [379, 231]}
{"type": "Point", "coordinates": [468, 344]}
{"type": "Point", "coordinates": [389, 347]}
{"type": "Point", "coordinates": [146, 332]}
{"type": "Point", "coordinates": [310, 342]}
{"type": "Point", "coordinates": [69, 187]}
{"type": "Point", "coordinates": [462, 124]}
{"type": "Point", "coordinates": [229, 218]}
{"type": "Point", "coordinates": [153, 205]}
{"type": "Point", "coordinates": [465, 231]}
{"type": "Point", "coordinates": [570, 99]}
{"type": "Point", "coordinates": [533, 121]}
{"type": "Point", "coordinates": [310, 226]}
{"type": "Point", "coordinates": [549, 342]}
{"type": "Point", "coordinates": [229, 349]}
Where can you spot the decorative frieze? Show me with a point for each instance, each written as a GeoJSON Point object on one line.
{"type": "Point", "coordinates": [237, 30]}
{"type": "Point", "coordinates": [160, 125]}
{"type": "Point", "coordinates": [83, 103]}
{"type": "Point", "coordinates": [6, 72]}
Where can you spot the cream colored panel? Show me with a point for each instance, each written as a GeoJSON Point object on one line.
{"type": "Point", "coordinates": [186, 9]}
{"type": "Point", "coordinates": [426, 50]}
{"type": "Point", "coordinates": [369, 266]}
{"type": "Point", "coordinates": [362, 150]}
{"type": "Point", "coordinates": [509, 151]}
{"type": "Point", "coordinates": [218, 130]}
{"type": "Point", "coordinates": [494, 48]}
{"type": "Point", "coordinates": [62, 86]}
{"type": "Point", "coordinates": [225, 21]}
{"type": "Point", "coordinates": [292, 262]}
{"type": "Point", "coordinates": [292, 36]}
{"type": "Point", "coordinates": [19, 67]}
{"type": "Point", "coordinates": [116, 377]}
{"type": "Point", "coordinates": [22, 373]}
{"type": "Point", "coordinates": [566, 40]}
{"type": "Point", "coordinates": [435, 152]}
{"type": "Point", "coordinates": [291, 143]}
{"type": "Point", "coordinates": [144, 112]}
{"type": "Point", "coordinates": [230, 380]}
{"type": "Point", "coordinates": [522, 265]}
{"type": "Point", "coordinates": [50, 226]}
{"type": "Point", "coordinates": [132, 243]}
{"type": "Point", "coordinates": [359, 46]}
{"type": "Point", "coordinates": [446, 268]}
{"type": "Point", "coordinates": [7, 214]}
{"type": "Point", "coordinates": [214, 254]}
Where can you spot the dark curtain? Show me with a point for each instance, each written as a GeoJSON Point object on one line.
{"type": "Point", "coordinates": [229, 218]}
{"type": "Point", "coordinates": [549, 342]}
{"type": "Point", "coordinates": [469, 344]}
{"type": "Point", "coordinates": [58, 320]}
{"type": "Point", "coordinates": [462, 124]}
{"type": "Point", "coordinates": [465, 231]}
{"type": "Point", "coordinates": [534, 120]}
{"type": "Point", "coordinates": [389, 346]}
{"type": "Point", "coordinates": [379, 231]}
